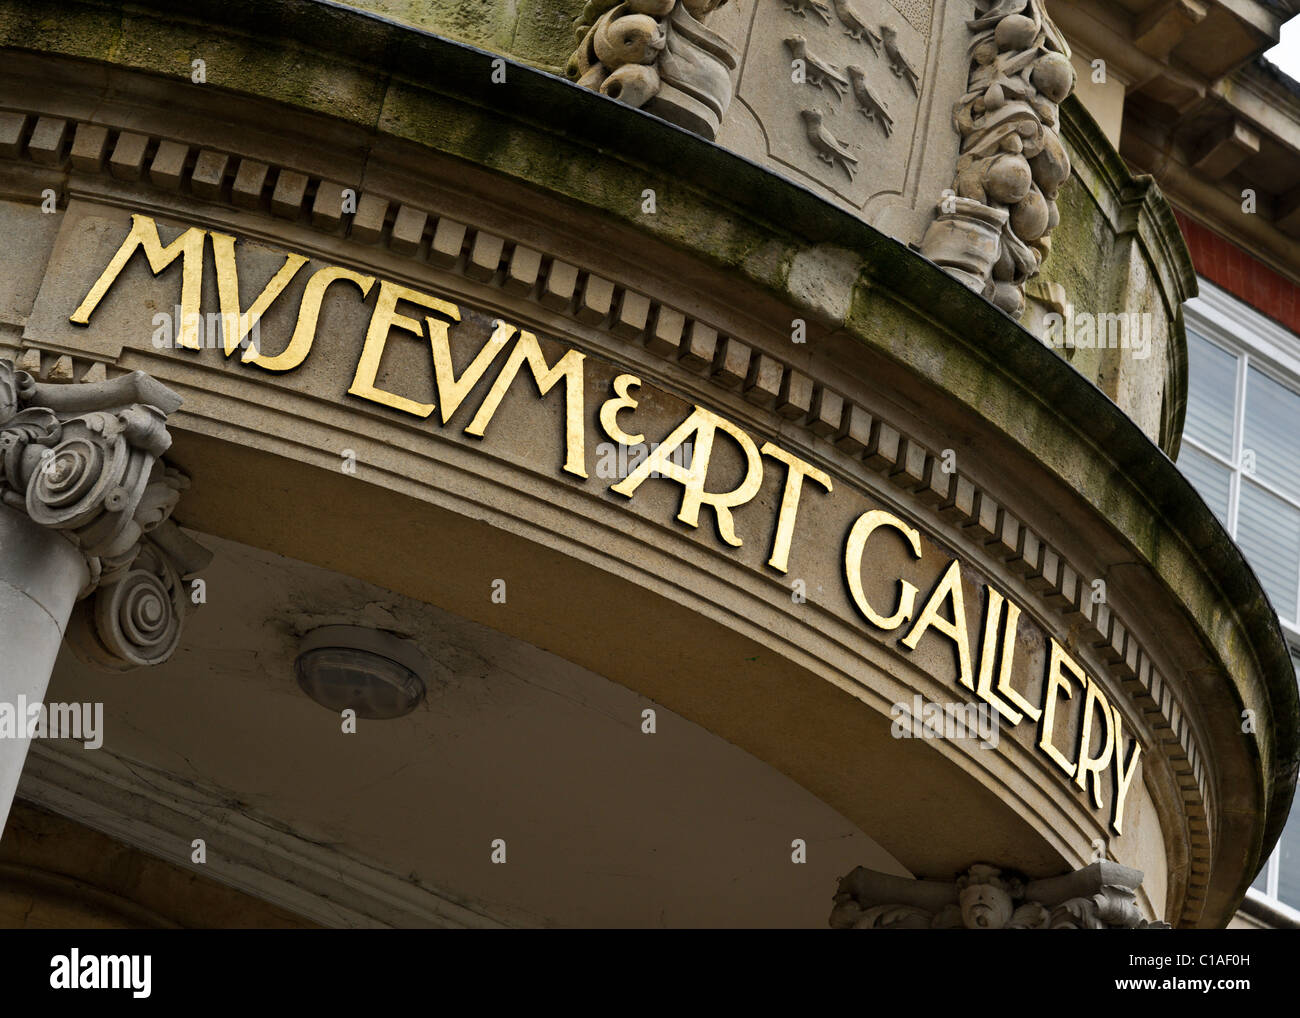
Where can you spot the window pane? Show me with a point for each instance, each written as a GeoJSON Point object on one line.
{"type": "Point", "coordinates": [1288, 846]}
{"type": "Point", "coordinates": [1268, 531]}
{"type": "Point", "coordinates": [1272, 431]}
{"type": "Point", "coordinates": [1208, 478]}
{"type": "Point", "coordinates": [1211, 394]}
{"type": "Point", "coordinates": [1288, 875]}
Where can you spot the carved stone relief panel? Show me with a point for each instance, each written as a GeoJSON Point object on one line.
{"type": "Point", "coordinates": [835, 86]}
{"type": "Point", "coordinates": [899, 111]}
{"type": "Point", "coordinates": [849, 97]}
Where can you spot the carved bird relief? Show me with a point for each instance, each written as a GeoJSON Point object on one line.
{"type": "Point", "coordinates": [817, 72]}
{"type": "Point", "coordinates": [854, 26]}
{"type": "Point", "coordinates": [871, 107]}
{"type": "Point", "coordinates": [829, 149]}
{"type": "Point", "coordinates": [901, 67]}
{"type": "Point", "coordinates": [802, 7]}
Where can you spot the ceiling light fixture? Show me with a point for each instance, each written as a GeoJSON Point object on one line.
{"type": "Point", "coordinates": [374, 673]}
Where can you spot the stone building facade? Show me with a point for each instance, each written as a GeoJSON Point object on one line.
{"type": "Point", "coordinates": [663, 438]}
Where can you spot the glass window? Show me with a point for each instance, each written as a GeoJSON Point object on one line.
{"type": "Point", "coordinates": [1212, 480]}
{"type": "Point", "coordinates": [1241, 452]}
{"type": "Point", "coordinates": [1288, 859]}
{"type": "Point", "coordinates": [1268, 530]}
{"type": "Point", "coordinates": [1211, 395]}
{"type": "Point", "coordinates": [1272, 433]}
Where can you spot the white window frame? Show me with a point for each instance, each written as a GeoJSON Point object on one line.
{"type": "Point", "coordinates": [1254, 339]}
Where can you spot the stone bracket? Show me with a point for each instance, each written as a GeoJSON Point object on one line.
{"type": "Point", "coordinates": [1097, 897]}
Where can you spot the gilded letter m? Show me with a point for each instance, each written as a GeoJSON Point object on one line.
{"type": "Point", "coordinates": [144, 234]}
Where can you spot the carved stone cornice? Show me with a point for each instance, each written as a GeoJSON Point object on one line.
{"type": "Point", "coordinates": [86, 459]}
{"type": "Point", "coordinates": [993, 230]}
{"type": "Point", "coordinates": [1098, 897]}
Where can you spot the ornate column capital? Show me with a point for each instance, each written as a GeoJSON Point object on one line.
{"type": "Point", "coordinates": [1098, 897]}
{"type": "Point", "coordinates": [86, 459]}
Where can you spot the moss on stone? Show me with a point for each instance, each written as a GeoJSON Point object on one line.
{"type": "Point", "coordinates": [536, 32]}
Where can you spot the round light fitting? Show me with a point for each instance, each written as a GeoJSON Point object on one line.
{"type": "Point", "coordinates": [374, 673]}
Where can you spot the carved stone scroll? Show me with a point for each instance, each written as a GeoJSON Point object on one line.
{"type": "Point", "coordinates": [1097, 897]}
{"type": "Point", "coordinates": [657, 55]}
{"type": "Point", "coordinates": [85, 459]}
{"type": "Point", "coordinates": [1012, 162]}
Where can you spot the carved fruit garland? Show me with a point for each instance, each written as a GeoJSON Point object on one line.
{"type": "Point", "coordinates": [996, 231]}
{"type": "Point", "coordinates": [630, 51]}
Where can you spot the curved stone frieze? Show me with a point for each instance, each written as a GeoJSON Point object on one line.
{"type": "Point", "coordinates": [901, 461]}
{"type": "Point", "coordinates": [86, 459]}
{"type": "Point", "coordinates": [993, 229]}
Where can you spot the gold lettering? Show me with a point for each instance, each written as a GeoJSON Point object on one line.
{"type": "Point", "coordinates": [610, 408]}
{"type": "Point", "coordinates": [1005, 688]}
{"type": "Point", "coordinates": [1014, 706]}
{"type": "Point", "coordinates": [948, 588]}
{"type": "Point", "coordinates": [304, 333]}
{"type": "Point", "coordinates": [1089, 764]}
{"type": "Point", "coordinates": [988, 656]}
{"type": "Point", "coordinates": [452, 390]}
{"type": "Point", "coordinates": [863, 528]}
{"type": "Point", "coordinates": [1124, 774]}
{"type": "Point", "coordinates": [704, 425]}
{"type": "Point", "coordinates": [235, 324]}
{"type": "Point", "coordinates": [569, 368]}
{"type": "Point", "coordinates": [384, 319]}
{"type": "Point", "coordinates": [144, 235]}
{"type": "Point", "coordinates": [1056, 680]}
{"type": "Point", "coordinates": [796, 470]}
